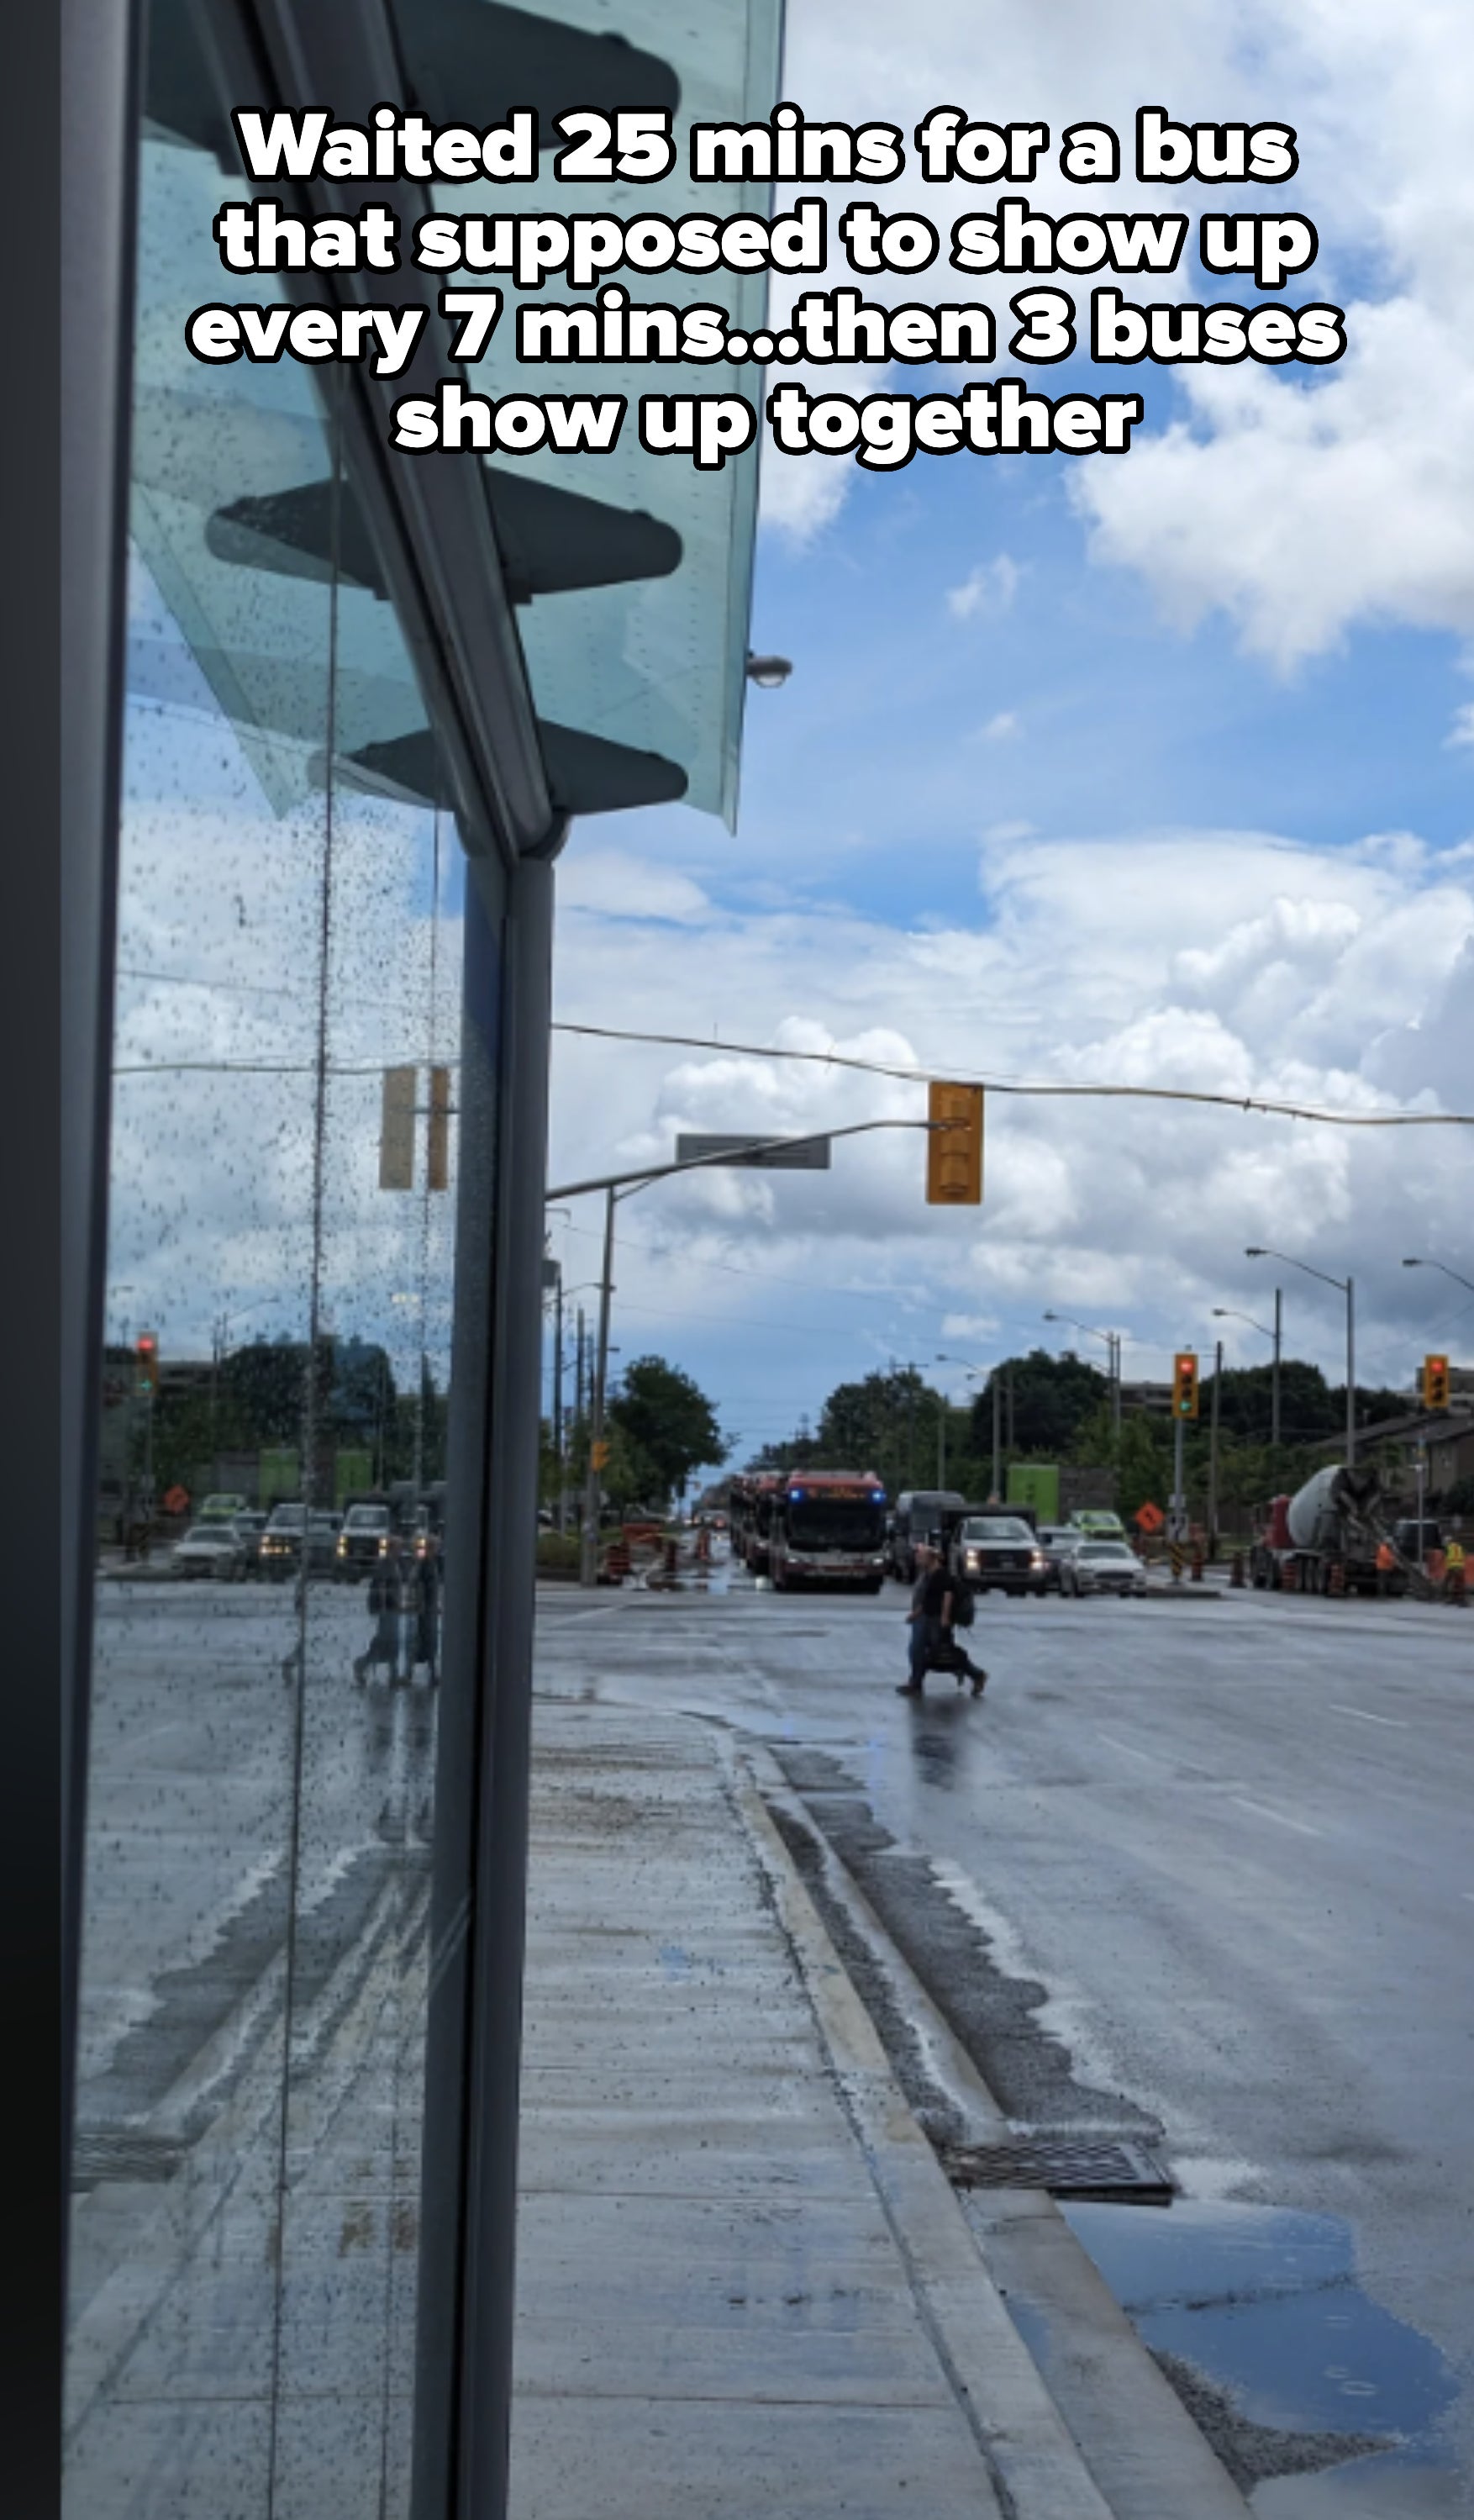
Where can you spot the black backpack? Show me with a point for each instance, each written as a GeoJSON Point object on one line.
{"type": "Point", "coordinates": [964, 1602]}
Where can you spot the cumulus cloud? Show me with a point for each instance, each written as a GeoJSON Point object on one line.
{"type": "Point", "coordinates": [1227, 963]}
{"type": "Point", "coordinates": [1299, 508]}
{"type": "Point", "coordinates": [1002, 725]}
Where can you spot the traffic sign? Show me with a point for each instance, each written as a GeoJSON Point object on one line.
{"type": "Point", "coordinates": [599, 1454]}
{"type": "Point", "coordinates": [789, 1154]}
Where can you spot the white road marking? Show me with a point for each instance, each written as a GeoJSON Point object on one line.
{"type": "Point", "coordinates": [1149, 1756]}
{"type": "Point", "coordinates": [1265, 1812]}
{"type": "Point", "coordinates": [1393, 1723]}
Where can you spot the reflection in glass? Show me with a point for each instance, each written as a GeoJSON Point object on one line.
{"type": "Point", "coordinates": [262, 1774]}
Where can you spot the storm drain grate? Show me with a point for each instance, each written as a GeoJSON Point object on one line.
{"type": "Point", "coordinates": [1068, 2165]}
{"type": "Point", "coordinates": [122, 2152]}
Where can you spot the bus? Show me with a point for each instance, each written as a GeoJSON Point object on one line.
{"type": "Point", "coordinates": [827, 1527]}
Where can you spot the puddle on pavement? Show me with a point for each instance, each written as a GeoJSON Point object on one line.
{"type": "Point", "coordinates": [1265, 2306]}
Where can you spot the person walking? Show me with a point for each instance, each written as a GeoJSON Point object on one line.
{"type": "Point", "coordinates": [385, 1609]}
{"type": "Point", "coordinates": [933, 1645]}
{"type": "Point", "coordinates": [425, 1605]}
{"type": "Point", "coordinates": [1386, 1566]}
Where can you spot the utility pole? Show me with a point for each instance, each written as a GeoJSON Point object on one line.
{"type": "Point", "coordinates": [1275, 1381]}
{"type": "Point", "coordinates": [941, 1440]}
{"type": "Point", "coordinates": [588, 1573]}
{"type": "Point", "coordinates": [1009, 1387]}
{"type": "Point", "coordinates": [1115, 1380]}
{"type": "Point", "coordinates": [1351, 1375]}
{"type": "Point", "coordinates": [558, 1391]}
{"type": "Point", "coordinates": [998, 1434]}
{"type": "Point", "coordinates": [1218, 1375]}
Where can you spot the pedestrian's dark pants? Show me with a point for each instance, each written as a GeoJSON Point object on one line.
{"type": "Point", "coordinates": [925, 1638]}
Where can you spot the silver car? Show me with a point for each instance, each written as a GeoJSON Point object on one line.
{"type": "Point", "coordinates": [210, 1549]}
{"type": "Point", "coordinates": [1101, 1566]}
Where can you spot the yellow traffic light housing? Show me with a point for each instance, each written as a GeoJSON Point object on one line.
{"type": "Point", "coordinates": [955, 1145]}
{"type": "Point", "coordinates": [1435, 1382]}
{"type": "Point", "coordinates": [1185, 1385]}
{"type": "Point", "coordinates": [145, 1366]}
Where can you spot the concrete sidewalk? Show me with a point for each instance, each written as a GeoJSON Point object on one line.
{"type": "Point", "coordinates": [745, 2287]}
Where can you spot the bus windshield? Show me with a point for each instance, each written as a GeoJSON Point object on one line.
{"type": "Point", "coordinates": [835, 1522]}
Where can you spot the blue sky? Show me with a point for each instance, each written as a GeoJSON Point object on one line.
{"type": "Point", "coordinates": [1144, 769]}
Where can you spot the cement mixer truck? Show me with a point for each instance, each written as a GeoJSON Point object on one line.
{"type": "Point", "coordinates": [1326, 1537]}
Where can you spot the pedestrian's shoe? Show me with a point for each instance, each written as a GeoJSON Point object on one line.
{"type": "Point", "coordinates": [909, 1688]}
{"type": "Point", "coordinates": [979, 1683]}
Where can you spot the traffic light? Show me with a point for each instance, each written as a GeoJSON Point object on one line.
{"type": "Point", "coordinates": [1185, 1385]}
{"type": "Point", "coordinates": [955, 1145]}
{"type": "Point", "coordinates": [1435, 1382]}
{"type": "Point", "coordinates": [145, 1366]}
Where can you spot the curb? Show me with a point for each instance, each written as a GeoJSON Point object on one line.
{"type": "Point", "coordinates": [1149, 2453]}
{"type": "Point", "coordinates": [1034, 2467]}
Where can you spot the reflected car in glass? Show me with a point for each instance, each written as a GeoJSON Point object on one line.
{"type": "Point", "coordinates": [366, 1536]}
{"type": "Point", "coordinates": [1103, 1566]}
{"type": "Point", "coordinates": [281, 1544]}
{"type": "Point", "coordinates": [214, 1549]}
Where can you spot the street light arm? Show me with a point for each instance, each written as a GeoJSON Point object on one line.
{"type": "Point", "coordinates": [1259, 1253]}
{"type": "Point", "coordinates": [1446, 1271]}
{"type": "Point", "coordinates": [762, 1146]}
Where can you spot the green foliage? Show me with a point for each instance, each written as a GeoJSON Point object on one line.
{"type": "Point", "coordinates": [1052, 1397]}
{"type": "Point", "coordinates": [668, 1426]}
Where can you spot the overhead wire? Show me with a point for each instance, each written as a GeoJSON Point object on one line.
{"type": "Point", "coordinates": [1039, 1087]}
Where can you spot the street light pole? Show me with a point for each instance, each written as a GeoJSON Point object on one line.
{"type": "Point", "coordinates": [588, 1572]}
{"type": "Point", "coordinates": [1347, 1287]}
{"type": "Point", "coordinates": [1218, 1375]}
{"type": "Point", "coordinates": [1274, 1384]}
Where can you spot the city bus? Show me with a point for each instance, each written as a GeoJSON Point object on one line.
{"type": "Point", "coordinates": [827, 1527]}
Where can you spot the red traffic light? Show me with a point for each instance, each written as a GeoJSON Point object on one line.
{"type": "Point", "coordinates": [1185, 1385]}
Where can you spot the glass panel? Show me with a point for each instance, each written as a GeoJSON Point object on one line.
{"type": "Point", "coordinates": [660, 663]}
{"type": "Point", "coordinates": [262, 1808]}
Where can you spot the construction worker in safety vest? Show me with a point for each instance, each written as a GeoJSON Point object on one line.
{"type": "Point", "coordinates": [1386, 1568]}
{"type": "Point", "coordinates": [1454, 1574]}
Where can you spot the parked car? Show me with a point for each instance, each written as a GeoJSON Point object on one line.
{"type": "Point", "coordinates": [1058, 1540]}
{"type": "Point", "coordinates": [1101, 1566]}
{"type": "Point", "coordinates": [366, 1536]}
{"type": "Point", "coordinates": [996, 1553]}
{"type": "Point", "coordinates": [212, 1548]}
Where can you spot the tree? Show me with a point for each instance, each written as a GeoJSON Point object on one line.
{"type": "Point", "coordinates": [1052, 1397]}
{"type": "Point", "coordinates": [668, 1420]}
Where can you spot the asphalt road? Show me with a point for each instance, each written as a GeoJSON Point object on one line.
{"type": "Point", "coordinates": [1228, 1841]}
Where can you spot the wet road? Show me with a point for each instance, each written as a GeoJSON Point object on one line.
{"type": "Point", "coordinates": [1231, 1841]}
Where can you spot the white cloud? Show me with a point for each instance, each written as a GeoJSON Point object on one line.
{"type": "Point", "coordinates": [1230, 963]}
{"type": "Point", "coordinates": [1462, 730]}
{"type": "Point", "coordinates": [621, 886]}
{"type": "Point", "coordinates": [1299, 509]}
{"type": "Point", "coordinates": [1000, 728]}
{"type": "Point", "coordinates": [988, 588]}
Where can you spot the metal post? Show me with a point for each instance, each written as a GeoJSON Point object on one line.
{"type": "Point", "coordinates": [588, 1573]}
{"type": "Point", "coordinates": [557, 1390]}
{"type": "Point", "coordinates": [997, 1439]}
{"type": "Point", "coordinates": [1218, 1375]}
{"type": "Point", "coordinates": [1115, 1375]}
{"type": "Point", "coordinates": [1009, 1394]}
{"type": "Point", "coordinates": [941, 1439]}
{"type": "Point", "coordinates": [1274, 1384]}
{"type": "Point", "coordinates": [1179, 1484]}
{"type": "Point", "coordinates": [1350, 1376]}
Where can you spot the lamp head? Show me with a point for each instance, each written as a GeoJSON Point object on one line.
{"type": "Point", "coordinates": [770, 673]}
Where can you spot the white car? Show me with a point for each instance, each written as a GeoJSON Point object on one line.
{"type": "Point", "coordinates": [1101, 1566]}
{"type": "Point", "coordinates": [210, 1549]}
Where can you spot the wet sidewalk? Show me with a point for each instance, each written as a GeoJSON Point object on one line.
{"type": "Point", "coordinates": [745, 2287]}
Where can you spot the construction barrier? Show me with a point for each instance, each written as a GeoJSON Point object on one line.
{"type": "Point", "coordinates": [1178, 1553]}
{"type": "Point", "coordinates": [1197, 1562]}
{"type": "Point", "coordinates": [1236, 1569]}
{"type": "Point", "coordinates": [1336, 1577]}
{"type": "Point", "coordinates": [1290, 1575]}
